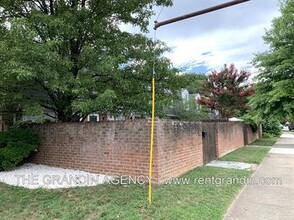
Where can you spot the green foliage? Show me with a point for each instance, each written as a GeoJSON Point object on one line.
{"type": "Point", "coordinates": [267, 135]}
{"type": "Point", "coordinates": [226, 91]}
{"type": "Point", "coordinates": [3, 139]}
{"type": "Point", "coordinates": [251, 122]}
{"type": "Point", "coordinates": [73, 58]}
{"type": "Point", "coordinates": [275, 83]}
{"type": "Point", "coordinates": [253, 126]}
{"type": "Point", "coordinates": [190, 111]}
{"type": "Point", "coordinates": [15, 146]}
{"type": "Point", "coordinates": [271, 127]}
{"type": "Point", "coordinates": [193, 82]}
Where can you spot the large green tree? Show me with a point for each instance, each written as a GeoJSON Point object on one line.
{"type": "Point", "coordinates": [275, 82]}
{"type": "Point", "coordinates": [71, 57]}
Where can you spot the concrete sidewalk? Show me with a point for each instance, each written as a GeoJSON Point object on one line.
{"type": "Point", "coordinates": [275, 200]}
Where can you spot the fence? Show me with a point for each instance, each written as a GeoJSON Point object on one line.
{"type": "Point", "coordinates": [122, 148]}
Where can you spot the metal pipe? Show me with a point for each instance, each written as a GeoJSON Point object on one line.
{"type": "Point", "coordinates": [197, 13]}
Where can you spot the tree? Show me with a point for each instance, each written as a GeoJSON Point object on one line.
{"type": "Point", "coordinates": [226, 91]}
{"type": "Point", "coordinates": [189, 109]}
{"type": "Point", "coordinates": [72, 58]}
{"type": "Point", "coordinates": [193, 81]}
{"type": "Point", "coordinates": [275, 82]}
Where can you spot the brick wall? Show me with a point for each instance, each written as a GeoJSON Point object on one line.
{"type": "Point", "coordinates": [105, 147]}
{"type": "Point", "coordinates": [179, 148]}
{"type": "Point", "coordinates": [250, 136]}
{"type": "Point", "coordinates": [122, 147]}
{"type": "Point", "coordinates": [229, 136]}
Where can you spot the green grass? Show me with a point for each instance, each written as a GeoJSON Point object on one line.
{"type": "Point", "coordinates": [170, 201]}
{"type": "Point", "coordinates": [247, 155]}
{"type": "Point", "coordinates": [265, 141]}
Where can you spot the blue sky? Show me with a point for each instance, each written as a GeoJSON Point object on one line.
{"type": "Point", "coordinates": [231, 35]}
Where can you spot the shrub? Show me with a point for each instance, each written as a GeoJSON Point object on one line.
{"type": "Point", "coordinates": [248, 120]}
{"type": "Point", "coordinates": [15, 146]}
{"type": "Point", "coordinates": [267, 135]}
{"type": "Point", "coordinates": [188, 110]}
{"type": "Point", "coordinates": [3, 139]}
{"type": "Point", "coordinates": [271, 127]}
{"type": "Point", "coordinates": [253, 126]}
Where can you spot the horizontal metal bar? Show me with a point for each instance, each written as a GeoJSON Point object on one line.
{"type": "Point", "coordinates": [197, 13]}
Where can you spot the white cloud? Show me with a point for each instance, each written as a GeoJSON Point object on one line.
{"type": "Point", "coordinates": [233, 46]}
{"type": "Point", "coordinates": [231, 35]}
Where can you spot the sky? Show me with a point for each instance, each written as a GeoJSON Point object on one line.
{"type": "Point", "coordinates": [206, 42]}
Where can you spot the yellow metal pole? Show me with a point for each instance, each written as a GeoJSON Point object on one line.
{"type": "Point", "coordinates": [151, 142]}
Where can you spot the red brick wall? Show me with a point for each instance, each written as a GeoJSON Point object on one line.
{"type": "Point", "coordinates": [121, 147]}
{"type": "Point", "coordinates": [179, 148]}
{"type": "Point", "coordinates": [229, 137]}
{"type": "Point", "coordinates": [250, 136]}
{"type": "Point", "coordinates": [102, 147]}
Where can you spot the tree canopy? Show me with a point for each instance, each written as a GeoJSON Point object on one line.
{"type": "Point", "coordinates": [189, 109]}
{"type": "Point", "coordinates": [193, 81]}
{"type": "Point", "coordinates": [226, 91]}
{"type": "Point", "coordinates": [275, 82]}
{"type": "Point", "coordinates": [72, 58]}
